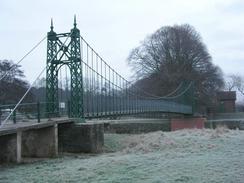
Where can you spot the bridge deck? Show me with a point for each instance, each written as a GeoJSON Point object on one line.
{"type": "Point", "coordinates": [11, 128]}
{"type": "Point", "coordinates": [23, 126]}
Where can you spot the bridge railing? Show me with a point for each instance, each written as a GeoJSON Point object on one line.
{"type": "Point", "coordinates": [110, 106]}
{"type": "Point", "coordinates": [102, 106]}
{"type": "Point", "coordinates": [28, 112]}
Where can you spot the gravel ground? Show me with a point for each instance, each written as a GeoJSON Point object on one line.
{"type": "Point", "coordinates": [202, 156]}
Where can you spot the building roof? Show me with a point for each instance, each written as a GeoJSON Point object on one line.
{"type": "Point", "coordinates": [226, 95]}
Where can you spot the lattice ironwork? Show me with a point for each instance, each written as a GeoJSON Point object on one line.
{"type": "Point", "coordinates": [56, 50]}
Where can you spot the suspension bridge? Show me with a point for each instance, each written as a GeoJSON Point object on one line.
{"type": "Point", "coordinates": [95, 90]}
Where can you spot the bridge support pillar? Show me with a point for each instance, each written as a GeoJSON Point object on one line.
{"type": "Point", "coordinates": [42, 142]}
{"type": "Point", "coordinates": [83, 137]}
{"type": "Point", "coordinates": [45, 139]}
{"type": "Point", "coordinates": [10, 146]}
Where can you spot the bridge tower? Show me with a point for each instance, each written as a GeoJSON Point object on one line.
{"type": "Point", "coordinates": [64, 49]}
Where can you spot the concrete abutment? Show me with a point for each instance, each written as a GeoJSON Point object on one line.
{"type": "Point", "coordinates": [40, 143]}
{"type": "Point", "coordinates": [81, 138]}
{"type": "Point", "coordinates": [47, 139]}
{"type": "Point", "coordinates": [10, 148]}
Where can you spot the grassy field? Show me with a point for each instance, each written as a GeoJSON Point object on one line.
{"type": "Point", "coordinates": [180, 156]}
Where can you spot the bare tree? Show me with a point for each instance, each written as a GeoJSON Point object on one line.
{"type": "Point", "coordinates": [13, 84]}
{"type": "Point", "coordinates": [235, 81]}
{"type": "Point", "coordinates": [232, 82]}
{"type": "Point", "coordinates": [173, 54]}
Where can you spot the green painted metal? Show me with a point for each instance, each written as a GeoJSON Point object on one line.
{"type": "Point", "coordinates": [38, 112]}
{"type": "Point", "coordinates": [56, 50]}
{"type": "Point", "coordinates": [14, 117]}
{"type": "Point", "coordinates": [52, 73]}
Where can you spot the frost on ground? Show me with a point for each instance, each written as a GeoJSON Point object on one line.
{"type": "Point", "coordinates": [180, 156]}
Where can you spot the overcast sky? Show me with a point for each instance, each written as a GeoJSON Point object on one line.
{"type": "Point", "coordinates": [114, 27]}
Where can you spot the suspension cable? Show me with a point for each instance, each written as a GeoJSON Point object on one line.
{"type": "Point", "coordinates": [32, 49]}
{"type": "Point", "coordinates": [182, 93]}
{"type": "Point", "coordinates": [150, 98]}
{"type": "Point", "coordinates": [66, 83]}
{"type": "Point", "coordinates": [129, 82]}
{"type": "Point", "coordinates": [22, 98]}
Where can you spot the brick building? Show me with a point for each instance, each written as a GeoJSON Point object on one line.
{"type": "Point", "coordinates": [226, 101]}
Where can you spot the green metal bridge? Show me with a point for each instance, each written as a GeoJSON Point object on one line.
{"type": "Point", "coordinates": [96, 89]}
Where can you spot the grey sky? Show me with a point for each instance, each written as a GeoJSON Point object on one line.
{"type": "Point", "coordinates": [114, 27]}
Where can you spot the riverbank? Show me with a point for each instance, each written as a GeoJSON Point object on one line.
{"type": "Point", "coordinates": [181, 156]}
